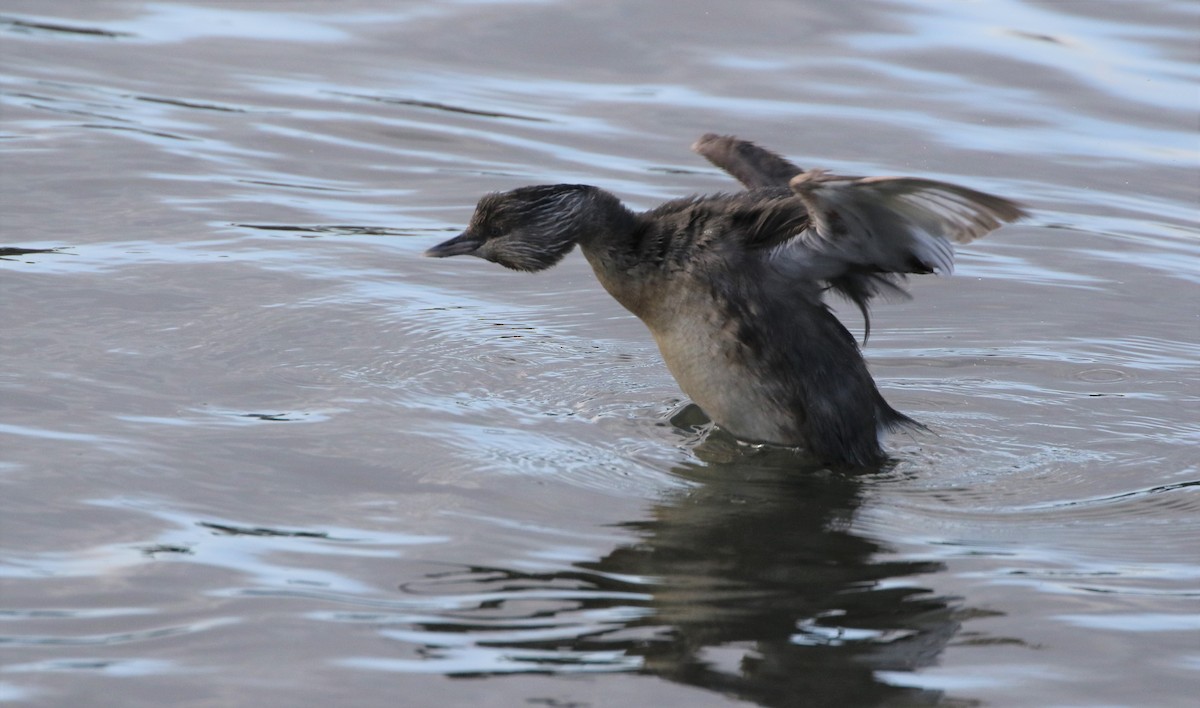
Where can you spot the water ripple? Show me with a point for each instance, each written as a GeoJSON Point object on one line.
{"type": "Point", "coordinates": [247, 420]}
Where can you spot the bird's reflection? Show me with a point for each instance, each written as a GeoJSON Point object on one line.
{"type": "Point", "coordinates": [750, 584]}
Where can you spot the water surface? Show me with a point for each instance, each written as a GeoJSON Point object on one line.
{"type": "Point", "coordinates": [255, 450]}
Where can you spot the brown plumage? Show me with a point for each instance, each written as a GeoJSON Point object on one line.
{"type": "Point", "coordinates": [731, 285]}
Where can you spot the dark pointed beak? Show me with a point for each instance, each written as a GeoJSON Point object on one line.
{"type": "Point", "coordinates": [463, 244]}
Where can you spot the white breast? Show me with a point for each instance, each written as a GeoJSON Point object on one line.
{"type": "Point", "coordinates": [701, 349]}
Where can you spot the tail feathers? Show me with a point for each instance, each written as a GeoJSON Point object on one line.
{"type": "Point", "coordinates": [855, 446]}
{"type": "Point", "coordinates": [894, 421]}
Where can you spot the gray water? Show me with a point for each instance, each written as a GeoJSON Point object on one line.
{"type": "Point", "coordinates": [256, 451]}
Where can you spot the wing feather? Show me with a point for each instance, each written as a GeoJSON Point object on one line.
{"type": "Point", "coordinates": [860, 235]}
{"type": "Point", "coordinates": [896, 224]}
{"type": "Point", "coordinates": [755, 167]}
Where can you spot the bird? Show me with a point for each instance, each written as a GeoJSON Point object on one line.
{"type": "Point", "coordinates": [733, 285]}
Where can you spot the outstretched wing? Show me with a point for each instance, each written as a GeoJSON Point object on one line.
{"type": "Point", "coordinates": [861, 235]}
{"type": "Point", "coordinates": [866, 234]}
{"type": "Point", "coordinates": [753, 166]}
{"type": "Point", "coordinates": [896, 224]}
